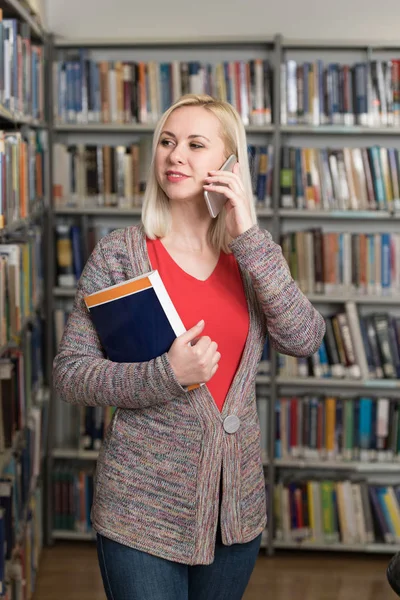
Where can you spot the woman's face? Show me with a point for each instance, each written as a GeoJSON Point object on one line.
{"type": "Point", "coordinates": [189, 147]}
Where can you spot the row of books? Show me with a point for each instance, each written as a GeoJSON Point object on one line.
{"type": "Point", "coordinates": [261, 161]}
{"type": "Point", "coordinates": [352, 263]}
{"type": "Point", "coordinates": [306, 511]}
{"type": "Point", "coordinates": [330, 512]}
{"type": "Point", "coordinates": [21, 284]}
{"type": "Point", "coordinates": [111, 175]}
{"type": "Point", "coordinates": [310, 178]}
{"type": "Point", "coordinates": [89, 91]}
{"type": "Point", "coordinates": [340, 179]}
{"type": "Point", "coordinates": [21, 384]}
{"type": "Point", "coordinates": [21, 512]}
{"type": "Point", "coordinates": [22, 570]}
{"type": "Point", "coordinates": [354, 347]}
{"type": "Point", "coordinates": [72, 497]}
{"type": "Point", "coordinates": [22, 169]}
{"type": "Point", "coordinates": [337, 428]}
{"type": "Point", "coordinates": [314, 93]}
{"type": "Point", "coordinates": [23, 429]}
{"type": "Point", "coordinates": [21, 70]}
{"type": "Point", "coordinates": [366, 93]}
{"type": "Point", "coordinates": [116, 175]}
{"type": "Point", "coordinates": [70, 255]}
{"type": "Point", "coordinates": [21, 531]}
{"type": "Point", "coordinates": [20, 477]}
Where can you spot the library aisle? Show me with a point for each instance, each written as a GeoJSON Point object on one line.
{"type": "Point", "coordinates": [73, 568]}
{"type": "Point", "coordinates": [322, 121]}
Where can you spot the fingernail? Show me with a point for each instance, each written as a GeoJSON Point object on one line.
{"type": "Point", "coordinates": [200, 323]}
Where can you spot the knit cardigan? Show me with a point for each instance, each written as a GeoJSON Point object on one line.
{"type": "Point", "coordinates": [159, 467]}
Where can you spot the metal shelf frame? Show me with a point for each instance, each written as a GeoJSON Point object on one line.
{"type": "Point", "coordinates": [273, 218]}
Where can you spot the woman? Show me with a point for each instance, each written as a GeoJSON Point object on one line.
{"type": "Point", "coordinates": [179, 503]}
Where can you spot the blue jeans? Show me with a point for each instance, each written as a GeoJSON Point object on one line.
{"type": "Point", "coordinates": [130, 574]}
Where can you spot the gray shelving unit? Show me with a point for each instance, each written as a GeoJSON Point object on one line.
{"type": "Point", "coordinates": [84, 214]}
{"type": "Point", "coordinates": [40, 396]}
{"type": "Point", "coordinates": [274, 219]}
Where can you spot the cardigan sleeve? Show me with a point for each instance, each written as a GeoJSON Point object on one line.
{"type": "Point", "coordinates": [83, 375]}
{"type": "Point", "coordinates": [294, 325]}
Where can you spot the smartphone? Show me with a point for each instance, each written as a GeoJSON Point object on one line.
{"type": "Point", "coordinates": [216, 201]}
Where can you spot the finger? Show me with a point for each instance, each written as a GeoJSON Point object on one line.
{"type": "Point", "coordinates": [203, 345]}
{"type": "Point", "coordinates": [226, 191]}
{"type": "Point", "coordinates": [216, 358]}
{"type": "Point", "coordinates": [231, 174]}
{"type": "Point", "coordinates": [222, 172]}
{"type": "Point", "coordinates": [224, 179]}
{"type": "Point", "coordinates": [209, 356]}
{"type": "Point", "coordinates": [213, 349]}
{"type": "Point", "coordinates": [228, 178]}
{"type": "Point", "coordinates": [192, 333]}
{"type": "Point", "coordinates": [214, 369]}
{"type": "Point", "coordinates": [236, 169]}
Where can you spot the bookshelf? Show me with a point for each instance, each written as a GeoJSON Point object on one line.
{"type": "Point", "coordinates": [24, 390]}
{"type": "Point", "coordinates": [272, 383]}
{"type": "Point", "coordinates": [87, 215]}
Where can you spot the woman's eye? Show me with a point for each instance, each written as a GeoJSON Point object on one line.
{"type": "Point", "coordinates": [165, 142]}
{"type": "Point", "coordinates": [196, 146]}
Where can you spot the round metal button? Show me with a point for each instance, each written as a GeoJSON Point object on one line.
{"type": "Point", "coordinates": [231, 423]}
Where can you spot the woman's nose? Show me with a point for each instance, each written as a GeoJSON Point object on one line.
{"type": "Point", "coordinates": [176, 156]}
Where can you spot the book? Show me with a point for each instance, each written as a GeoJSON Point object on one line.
{"type": "Point", "coordinates": [136, 320]}
{"type": "Point", "coordinates": [310, 512]}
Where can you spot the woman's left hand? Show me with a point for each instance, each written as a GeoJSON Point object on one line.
{"type": "Point", "coordinates": [238, 218]}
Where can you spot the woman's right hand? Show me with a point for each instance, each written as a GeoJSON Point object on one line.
{"type": "Point", "coordinates": [194, 359]}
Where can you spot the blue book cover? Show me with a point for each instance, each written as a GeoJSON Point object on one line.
{"type": "Point", "coordinates": [365, 424]}
{"type": "Point", "coordinates": [136, 320]}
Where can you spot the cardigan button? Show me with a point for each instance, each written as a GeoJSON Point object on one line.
{"type": "Point", "coordinates": [231, 424]}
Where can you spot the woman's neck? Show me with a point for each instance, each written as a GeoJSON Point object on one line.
{"type": "Point", "coordinates": [189, 230]}
{"type": "Point", "coordinates": [187, 239]}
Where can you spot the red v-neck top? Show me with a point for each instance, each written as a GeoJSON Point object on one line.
{"type": "Point", "coordinates": [219, 300]}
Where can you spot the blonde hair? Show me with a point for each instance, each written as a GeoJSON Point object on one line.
{"type": "Point", "coordinates": [156, 217]}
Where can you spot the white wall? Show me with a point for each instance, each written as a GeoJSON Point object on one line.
{"type": "Point", "coordinates": [344, 19]}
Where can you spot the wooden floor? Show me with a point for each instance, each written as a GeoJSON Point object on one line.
{"type": "Point", "coordinates": [69, 571]}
